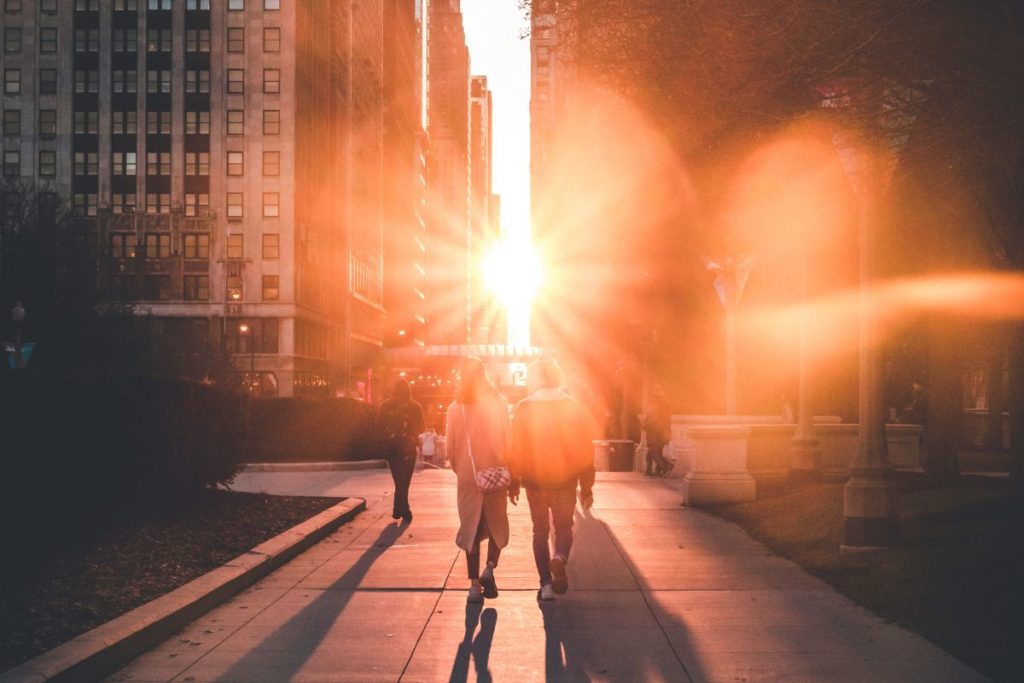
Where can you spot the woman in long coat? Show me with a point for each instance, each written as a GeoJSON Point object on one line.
{"type": "Point", "coordinates": [478, 419]}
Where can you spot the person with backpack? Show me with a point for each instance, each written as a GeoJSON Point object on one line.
{"type": "Point", "coordinates": [399, 423]}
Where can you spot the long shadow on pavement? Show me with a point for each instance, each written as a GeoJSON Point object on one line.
{"type": "Point", "coordinates": [296, 640]}
{"type": "Point", "coordinates": [576, 650]}
{"type": "Point", "coordinates": [479, 648]}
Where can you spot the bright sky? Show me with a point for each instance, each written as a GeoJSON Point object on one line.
{"type": "Point", "coordinates": [496, 51]}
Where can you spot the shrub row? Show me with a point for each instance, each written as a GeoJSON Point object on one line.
{"type": "Point", "coordinates": [311, 430]}
{"type": "Point", "coordinates": [79, 446]}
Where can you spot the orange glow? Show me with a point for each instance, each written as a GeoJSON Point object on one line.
{"type": "Point", "coordinates": [512, 272]}
{"type": "Point", "coordinates": [893, 305]}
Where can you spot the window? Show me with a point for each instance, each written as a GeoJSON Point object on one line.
{"type": "Point", "coordinates": [87, 81]}
{"type": "Point", "coordinates": [271, 121]}
{"type": "Point", "coordinates": [236, 39]}
{"type": "Point", "coordinates": [12, 5]}
{"type": "Point", "coordinates": [158, 163]}
{"type": "Point", "coordinates": [196, 246]}
{"type": "Point", "coordinates": [84, 204]}
{"type": "Point", "coordinates": [12, 122]}
{"type": "Point", "coordinates": [197, 163]}
{"type": "Point", "coordinates": [272, 4]}
{"type": "Point", "coordinates": [197, 81]}
{"type": "Point", "coordinates": [271, 287]}
{"type": "Point", "coordinates": [197, 123]}
{"type": "Point", "coordinates": [125, 163]}
{"type": "Point", "coordinates": [12, 40]}
{"type": "Point", "coordinates": [87, 40]}
{"type": "Point", "coordinates": [271, 39]}
{"type": "Point", "coordinates": [122, 203]}
{"type": "Point", "coordinates": [236, 81]}
{"type": "Point", "coordinates": [158, 81]}
{"type": "Point", "coordinates": [124, 122]}
{"type": "Point", "coordinates": [12, 81]}
{"type": "Point", "coordinates": [234, 286]}
{"type": "Point", "coordinates": [47, 40]}
{"type": "Point", "coordinates": [87, 5]}
{"type": "Point", "coordinates": [126, 5]}
{"type": "Point", "coordinates": [48, 6]}
{"type": "Point", "coordinates": [159, 4]}
{"type": "Point", "coordinates": [158, 122]}
{"type": "Point", "coordinates": [271, 204]}
{"type": "Point", "coordinates": [158, 40]}
{"type": "Point", "coordinates": [271, 80]}
{"type": "Point", "coordinates": [236, 5]}
{"type": "Point", "coordinates": [87, 122]}
{"type": "Point", "coordinates": [235, 205]}
{"type": "Point", "coordinates": [236, 244]}
{"type": "Point", "coordinates": [47, 81]}
{"type": "Point", "coordinates": [196, 204]}
{"type": "Point", "coordinates": [157, 287]}
{"type": "Point", "coordinates": [158, 203]}
{"type": "Point", "coordinates": [122, 245]}
{"type": "Point", "coordinates": [47, 163]}
{"type": "Point", "coordinates": [197, 288]}
{"type": "Point", "coordinates": [271, 163]}
{"type": "Point", "coordinates": [126, 40]}
{"type": "Point", "coordinates": [197, 4]}
{"type": "Point", "coordinates": [47, 123]}
{"type": "Point", "coordinates": [236, 122]}
{"type": "Point", "coordinates": [271, 246]}
{"type": "Point", "coordinates": [126, 81]}
{"type": "Point", "coordinates": [12, 163]}
{"type": "Point", "coordinates": [197, 40]}
{"type": "Point", "coordinates": [158, 246]}
{"type": "Point", "coordinates": [235, 163]}
{"type": "Point", "coordinates": [86, 163]}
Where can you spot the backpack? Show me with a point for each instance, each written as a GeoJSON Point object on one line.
{"type": "Point", "coordinates": [398, 430]}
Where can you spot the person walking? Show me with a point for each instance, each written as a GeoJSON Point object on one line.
{"type": "Point", "coordinates": [475, 436]}
{"type": "Point", "coordinates": [657, 424]}
{"type": "Point", "coordinates": [550, 453]}
{"type": "Point", "coordinates": [399, 422]}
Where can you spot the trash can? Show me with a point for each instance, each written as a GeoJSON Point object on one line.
{"type": "Point", "coordinates": [620, 455]}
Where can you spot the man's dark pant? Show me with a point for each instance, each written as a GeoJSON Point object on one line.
{"type": "Point", "coordinates": [551, 507]}
{"type": "Point", "coordinates": [401, 472]}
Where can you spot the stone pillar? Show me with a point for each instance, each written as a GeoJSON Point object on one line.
{"type": "Point", "coordinates": [805, 452]}
{"type": "Point", "coordinates": [718, 472]}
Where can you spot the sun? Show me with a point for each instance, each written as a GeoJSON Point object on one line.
{"type": "Point", "coordinates": [512, 272]}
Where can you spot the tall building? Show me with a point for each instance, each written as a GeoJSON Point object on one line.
{"type": "Point", "coordinates": [450, 267]}
{"type": "Point", "coordinates": [224, 160]}
{"type": "Point", "coordinates": [484, 311]}
{"type": "Point", "coordinates": [405, 148]}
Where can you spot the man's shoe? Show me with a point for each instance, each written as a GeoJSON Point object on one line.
{"type": "Point", "coordinates": [407, 516]}
{"type": "Point", "coordinates": [476, 594]}
{"type": "Point", "coordinates": [546, 593]}
{"type": "Point", "coordinates": [668, 470]}
{"type": "Point", "coordinates": [559, 581]}
{"type": "Point", "coordinates": [487, 582]}
{"type": "Point", "coordinates": [395, 514]}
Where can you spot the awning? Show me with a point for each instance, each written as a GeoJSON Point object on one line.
{"type": "Point", "coordinates": [415, 355]}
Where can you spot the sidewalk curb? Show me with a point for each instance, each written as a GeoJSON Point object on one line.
{"type": "Point", "coordinates": [106, 648]}
{"type": "Point", "coordinates": [347, 466]}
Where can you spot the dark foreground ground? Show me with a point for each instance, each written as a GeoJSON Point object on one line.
{"type": "Point", "coordinates": [89, 573]}
{"type": "Point", "coordinates": [958, 578]}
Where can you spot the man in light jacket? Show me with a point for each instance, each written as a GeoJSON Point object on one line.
{"type": "Point", "coordinates": [550, 453]}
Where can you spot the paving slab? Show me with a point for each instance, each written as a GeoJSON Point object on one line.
{"type": "Point", "coordinates": [658, 592]}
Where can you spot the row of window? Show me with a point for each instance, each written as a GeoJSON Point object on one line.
{"type": "Point", "coordinates": [195, 246]}
{"type": "Point", "coordinates": [126, 122]}
{"type": "Point", "coordinates": [157, 81]}
{"type": "Point", "coordinates": [195, 288]}
{"type": "Point", "coordinates": [126, 40]}
{"type": "Point", "coordinates": [87, 203]}
{"type": "Point", "coordinates": [50, 6]}
{"type": "Point", "coordinates": [126, 163]}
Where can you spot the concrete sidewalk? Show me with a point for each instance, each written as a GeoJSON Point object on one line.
{"type": "Point", "coordinates": [657, 593]}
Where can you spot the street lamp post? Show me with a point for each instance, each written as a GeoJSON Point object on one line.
{"type": "Point", "coordinates": [245, 329]}
{"type": "Point", "coordinates": [729, 283]}
{"type": "Point", "coordinates": [18, 316]}
{"type": "Point", "coordinates": [805, 449]}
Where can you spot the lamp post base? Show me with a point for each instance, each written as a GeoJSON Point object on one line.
{"type": "Point", "coordinates": [870, 512]}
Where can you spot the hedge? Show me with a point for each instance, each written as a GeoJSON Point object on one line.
{"type": "Point", "coordinates": [311, 430]}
